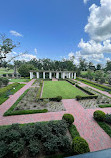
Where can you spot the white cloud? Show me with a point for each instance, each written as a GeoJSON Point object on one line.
{"type": "Point", "coordinates": [35, 50]}
{"type": "Point", "coordinates": [70, 55]}
{"type": "Point", "coordinates": [99, 21]}
{"type": "Point", "coordinates": [85, 1]}
{"type": "Point", "coordinates": [15, 33]}
{"type": "Point", "coordinates": [93, 47]}
{"type": "Point", "coordinates": [25, 57]}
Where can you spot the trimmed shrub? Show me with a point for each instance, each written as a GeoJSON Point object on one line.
{"type": "Point", "coordinates": [69, 118]}
{"type": "Point", "coordinates": [108, 118]}
{"type": "Point", "coordinates": [34, 148]}
{"type": "Point", "coordinates": [73, 131]}
{"type": "Point", "coordinates": [80, 146]}
{"type": "Point", "coordinates": [99, 115]}
{"type": "Point", "coordinates": [0, 84]}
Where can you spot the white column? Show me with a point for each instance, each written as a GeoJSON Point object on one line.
{"type": "Point", "coordinates": [50, 75]}
{"type": "Point", "coordinates": [31, 75]}
{"type": "Point", "coordinates": [69, 75]}
{"type": "Point", "coordinates": [7, 75]}
{"type": "Point", "coordinates": [72, 75]}
{"type": "Point", "coordinates": [43, 75]}
{"type": "Point", "coordinates": [63, 75]}
{"type": "Point", "coordinates": [75, 75]}
{"type": "Point", "coordinates": [37, 74]}
{"type": "Point", "coordinates": [13, 76]}
{"type": "Point", "coordinates": [56, 74]}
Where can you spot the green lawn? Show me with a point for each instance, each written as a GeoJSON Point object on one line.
{"type": "Point", "coordinates": [5, 71]}
{"type": "Point", "coordinates": [60, 88]}
{"type": "Point", "coordinates": [20, 80]}
{"type": "Point", "coordinates": [4, 97]}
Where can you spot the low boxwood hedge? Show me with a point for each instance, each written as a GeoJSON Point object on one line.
{"type": "Point", "coordinates": [73, 131]}
{"type": "Point", "coordinates": [71, 81]}
{"type": "Point", "coordinates": [99, 115]}
{"type": "Point", "coordinates": [39, 91]}
{"type": "Point", "coordinates": [78, 97]}
{"type": "Point", "coordinates": [80, 146]}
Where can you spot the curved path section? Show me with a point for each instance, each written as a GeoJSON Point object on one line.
{"type": "Point", "coordinates": [86, 125]}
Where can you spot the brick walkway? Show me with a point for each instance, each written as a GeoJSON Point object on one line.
{"type": "Point", "coordinates": [86, 125]}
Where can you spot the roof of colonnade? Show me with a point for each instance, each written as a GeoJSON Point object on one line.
{"type": "Point", "coordinates": [50, 71]}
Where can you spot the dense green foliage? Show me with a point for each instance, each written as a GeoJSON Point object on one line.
{"type": "Point", "coordinates": [108, 118]}
{"type": "Point", "coordinates": [68, 118]}
{"type": "Point", "coordinates": [73, 131]}
{"type": "Point", "coordinates": [48, 138]}
{"type": "Point", "coordinates": [40, 89]}
{"type": "Point", "coordinates": [105, 127]}
{"type": "Point", "coordinates": [80, 145]}
{"type": "Point", "coordinates": [25, 69]}
{"type": "Point", "coordinates": [62, 88]}
{"type": "Point", "coordinates": [99, 115]}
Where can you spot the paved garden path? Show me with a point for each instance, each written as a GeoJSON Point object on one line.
{"type": "Point", "coordinates": [86, 125]}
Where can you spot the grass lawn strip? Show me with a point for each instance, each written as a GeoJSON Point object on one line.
{"type": "Point", "coordinates": [11, 111]}
{"type": "Point", "coordinates": [20, 80]}
{"type": "Point", "coordinates": [62, 88]}
{"type": "Point", "coordinates": [5, 96]}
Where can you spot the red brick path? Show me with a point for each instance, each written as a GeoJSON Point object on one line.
{"type": "Point", "coordinates": [86, 125]}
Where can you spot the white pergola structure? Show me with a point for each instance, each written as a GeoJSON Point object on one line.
{"type": "Point", "coordinates": [64, 74]}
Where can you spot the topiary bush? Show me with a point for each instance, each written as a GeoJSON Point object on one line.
{"type": "Point", "coordinates": [80, 146]}
{"type": "Point", "coordinates": [68, 118]}
{"type": "Point", "coordinates": [5, 81]}
{"type": "Point", "coordinates": [99, 115]}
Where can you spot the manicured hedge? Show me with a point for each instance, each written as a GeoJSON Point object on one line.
{"type": "Point", "coordinates": [85, 90]}
{"type": "Point", "coordinates": [73, 131]}
{"type": "Point", "coordinates": [90, 96]}
{"type": "Point", "coordinates": [70, 81]}
{"type": "Point", "coordinates": [96, 84]}
{"type": "Point", "coordinates": [39, 91]}
{"type": "Point", "coordinates": [47, 79]}
{"type": "Point", "coordinates": [68, 118]}
{"type": "Point", "coordinates": [80, 145]}
{"type": "Point", "coordinates": [99, 115]}
{"type": "Point", "coordinates": [9, 87]}
{"type": "Point", "coordinates": [105, 106]}
{"type": "Point", "coordinates": [58, 99]}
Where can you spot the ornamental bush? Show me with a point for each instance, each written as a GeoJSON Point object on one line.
{"type": "Point", "coordinates": [5, 81]}
{"type": "Point", "coordinates": [99, 115]}
{"type": "Point", "coordinates": [80, 146]}
{"type": "Point", "coordinates": [69, 118]}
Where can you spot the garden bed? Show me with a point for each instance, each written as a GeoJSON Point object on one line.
{"type": "Point", "coordinates": [28, 104]}
{"type": "Point", "coordinates": [94, 103]}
